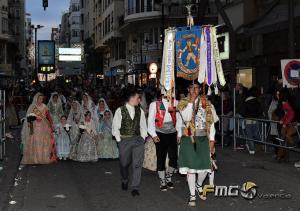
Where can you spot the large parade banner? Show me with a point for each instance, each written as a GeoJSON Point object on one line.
{"type": "Point", "coordinates": [188, 52]}
{"type": "Point", "coordinates": [290, 69]}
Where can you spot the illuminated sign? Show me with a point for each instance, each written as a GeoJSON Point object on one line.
{"type": "Point", "coordinates": [69, 54]}
{"type": "Point", "coordinates": [46, 69]}
{"type": "Point", "coordinates": [46, 52]}
{"type": "Point", "coordinates": [69, 51]}
{"type": "Point", "coordinates": [69, 57]}
{"type": "Point", "coordinates": [153, 68]}
{"type": "Point", "coordinates": [223, 42]}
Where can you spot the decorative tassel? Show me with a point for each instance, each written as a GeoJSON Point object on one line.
{"type": "Point", "coordinates": [209, 91]}
{"type": "Point", "coordinates": [216, 90]}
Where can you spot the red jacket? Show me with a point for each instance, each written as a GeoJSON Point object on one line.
{"type": "Point", "coordinates": [289, 113]}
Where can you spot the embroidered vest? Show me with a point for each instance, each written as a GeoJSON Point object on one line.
{"type": "Point", "coordinates": [130, 127]}
{"type": "Point", "coordinates": [160, 114]}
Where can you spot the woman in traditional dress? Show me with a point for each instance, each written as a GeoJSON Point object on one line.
{"type": "Point", "coordinates": [106, 147]}
{"type": "Point", "coordinates": [87, 103]}
{"type": "Point", "coordinates": [74, 118]}
{"type": "Point", "coordinates": [37, 135]}
{"type": "Point", "coordinates": [100, 109]}
{"type": "Point", "coordinates": [55, 107]}
{"type": "Point", "coordinates": [86, 149]}
{"type": "Point", "coordinates": [62, 138]}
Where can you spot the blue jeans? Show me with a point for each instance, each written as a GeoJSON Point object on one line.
{"type": "Point", "coordinates": [251, 132]}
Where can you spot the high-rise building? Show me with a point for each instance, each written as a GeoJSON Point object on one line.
{"type": "Point", "coordinates": [74, 21]}
{"type": "Point", "coordinates": [4, 38]}
{"type": "Point", "coordinates": [64, 34]}
{"type": "Point", "coordinates": [12, 37]}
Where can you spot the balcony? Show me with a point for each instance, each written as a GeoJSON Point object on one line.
{"type": "Point", "coordinates": [132, 14]}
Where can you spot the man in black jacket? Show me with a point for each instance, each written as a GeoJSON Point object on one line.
{"type": "Point", "coordinates": [251, 109]}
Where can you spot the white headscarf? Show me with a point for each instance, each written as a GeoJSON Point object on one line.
{"type": "Point", "coordinates": [96, 112]}
{"type": "Point", "coordinates": [58, 103]}
{"type": "Point", "coordinates": [90, 105]}
{"type": "Point", "coordinates": [72, 111]}
{"type": "Point", "coordinates": [25, 129]}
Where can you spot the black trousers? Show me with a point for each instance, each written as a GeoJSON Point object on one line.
{"type": "Point", "coordinates": [166, 146]}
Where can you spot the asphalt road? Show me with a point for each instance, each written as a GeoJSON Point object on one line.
{"type": "Point", "coordinates": [96, 186]}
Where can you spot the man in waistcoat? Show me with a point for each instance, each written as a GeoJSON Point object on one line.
{"type": "Point", "coordinates": [130, 130]}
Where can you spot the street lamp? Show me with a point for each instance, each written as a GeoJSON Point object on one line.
{"type": "Point", "coordinates": [35, 48]}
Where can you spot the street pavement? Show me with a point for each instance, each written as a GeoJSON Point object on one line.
{"type": "Point", "coordinates": [69, 185]}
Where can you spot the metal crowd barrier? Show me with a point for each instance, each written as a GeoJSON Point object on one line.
{"type": "Point", "coordinates": [2, 124]}
{"type": "Point", "coordinates": [263, 129]}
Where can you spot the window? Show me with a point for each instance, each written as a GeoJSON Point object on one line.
{"type": "Point", "coordinates": [75, 33]}
{"type": "Point", "coordinates": [103, 26]}
{"type": "Point", "coordinates": [4, 25]}
{"type": "Point", "coordinates": [112, 21]}
{"type": "Point", "coordinates": [156, 35]}
{"type": "Point", "coordinates": [142, 5]}
{"type": "Point", "coordinates": [100, 30]}
{"type": "Point", "coordinates": [100, 7]}
{"type": "Point", "coordinates": [82, 19]}
{"type": "Point", "coordinates": [150, 37]}
{"type": "Point", "coordinates": [122, 50]}
{"type": "Point", "coordinates": [75, 7]}
{"type": "Point", "coordinates": [137, 6]}
{"type": "Point", "coordinates": [149, 5]}
{"type": "Point", "coordinates": [108, 23]}
{"type": "Point", "coordinates": [75, 20]}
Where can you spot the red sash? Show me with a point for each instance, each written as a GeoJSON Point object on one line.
{"type": "Point", "coordinates": [160, 115]}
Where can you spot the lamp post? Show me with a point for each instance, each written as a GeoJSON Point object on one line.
{"type": "Point", "coordinates": [36, 49]}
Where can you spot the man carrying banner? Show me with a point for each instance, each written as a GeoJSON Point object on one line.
{"type": "Point", "coordinates": [162, 127]}
{"type": "Point", "coordinates": [197, 140]}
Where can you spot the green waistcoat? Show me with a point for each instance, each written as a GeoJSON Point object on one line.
{"type": "Point", "coordinates": [129, 127]}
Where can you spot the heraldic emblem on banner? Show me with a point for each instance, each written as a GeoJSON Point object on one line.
{"type": "Point", "coordinates": [188, 52]}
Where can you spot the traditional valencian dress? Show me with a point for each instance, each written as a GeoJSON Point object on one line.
{"type": "Point", "coordinates": [88, 105]}
{"type": "Point", "coordinates": [86, 148]}
{"type": "Point", "coordinates": [55, 108]}
{"type": "Point", "coordinates": [37, 137]}
{"type": "Point", "coordinates": [63, 142]}
{"type": "Point", "coordinates": [74, 118]}
{"type": "Point", "coordinates": [194, 154]}
{"type": "Point", "coordinates": [162, 124]}
{"type": "Point", "coordinates": [106, 147]}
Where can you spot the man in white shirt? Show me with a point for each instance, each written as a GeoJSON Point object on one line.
{"type": "Point", "coordinates": [197, 140]}
{"type": "Point", "coordinates": [130, 130]}
{"type": "Point", "coordinates": [162, 121]}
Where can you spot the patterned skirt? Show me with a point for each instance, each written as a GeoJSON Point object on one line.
{"type": "Point", "coordinates": [194, 158]}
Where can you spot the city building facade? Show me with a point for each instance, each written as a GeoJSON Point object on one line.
{"type": "Point", "coordinates": [262, 29]}
{"type": "Point", "coordinates": [12, 37]}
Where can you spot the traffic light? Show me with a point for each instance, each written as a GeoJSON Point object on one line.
{"type": "Point", "coordinates": [45, 4]}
